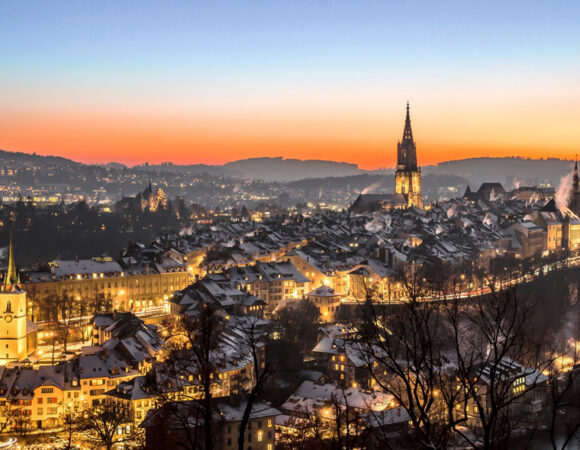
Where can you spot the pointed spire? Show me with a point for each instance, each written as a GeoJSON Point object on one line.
{"type": "Point", "coordinates": [408, 132]}
{"type": "Point", "coordinates": [11, 278]}
{"type": "Point", "coordinates": [575, 182]}
{"type": "Point", "coordinates": [406, 151]}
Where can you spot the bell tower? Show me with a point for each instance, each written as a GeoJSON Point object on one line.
{"type": "Point", "coordinates": [13, 322]}
{"type": "Point", "coordinates": [408, 175]}
{"type": "Point", "coordinates": [574, 203]}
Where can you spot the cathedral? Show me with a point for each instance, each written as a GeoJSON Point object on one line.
{"type": "Point", "coordinates": [407, 180]}
{"type": "Point", "coordinates": [408, 175]}
{"type": "Point", "coordinates": [574, 202]}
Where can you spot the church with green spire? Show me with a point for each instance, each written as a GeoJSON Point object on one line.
{"type": "Point", "coordinates": [17, 333]}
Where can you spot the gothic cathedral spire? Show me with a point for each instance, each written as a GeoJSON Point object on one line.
{"type": "Point", "coordinates": [406, 150]}
{"type": "Point", "coordinates": [574, 202]}
{"type": "Point", "coordinates": [408, 175]}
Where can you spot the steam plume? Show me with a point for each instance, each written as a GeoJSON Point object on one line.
{"type": "Point", "coordinates": [562, 195]}
{"type": "Point", "coordinates": [370, 189]}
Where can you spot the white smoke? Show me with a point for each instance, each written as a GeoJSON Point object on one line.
{"type": "Point", "coordinates": [370, 189]}
{"type": "Point", "coordinates": [375, 225]}
{"type": "Point", "coordinates": [517, 183]}
{"type": "Point", "coordinates": [186, 231]}
{"type": "Point", "coordinates": [562, 195]}
{"type": "Point", "coordinates": [490, 220]}
{"type": "Point", "coordinates": [378, 223]}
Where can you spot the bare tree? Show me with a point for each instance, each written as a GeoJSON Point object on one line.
{"type": "Point", "coordinates": [67, 307]}
{"type": "Point", "coordinates": [347, 422]}
{"type": "Point", "coordinates": [404, 353]}
{"type": "Point", "coordinates": [564, 403]}
{"type": "Point", "coordinates": [189, 376]}
{"type": "Point", "coordinates": [102, 422]}
{"type": "Point", "coordinates": [9, 412]}
{"type": "Point", "coordinates": [300, 322]}
{"type": "Point", "coordinates": [252, 343]}
{"type": "Point", "coordinates": [71, 423]}
{"type": "Point", "coordinates": [307, 432]}
{"type": "Point", "coordinates": [498, 359]}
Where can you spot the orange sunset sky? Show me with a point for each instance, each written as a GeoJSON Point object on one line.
{"type": "Point", "coordinates": [128, 83]}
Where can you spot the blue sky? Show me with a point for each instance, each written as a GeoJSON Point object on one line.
{"type": "Point", "coordinates": [215, 59]}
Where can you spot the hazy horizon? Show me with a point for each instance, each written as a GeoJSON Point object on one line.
{"type": "Point", "coordinates": [90, 161]}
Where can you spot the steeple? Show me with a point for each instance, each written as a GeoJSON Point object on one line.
{"type": "Point", "coordinates": [406, 150]}
{"type": "Point", "coordinates": [408, 132]}
{"type": "Point", "coordinates": [574, 200]}
{"type": "Point", "coordinates": [11, 277]}
{"type": "Point", "coordinates": [575, 185]}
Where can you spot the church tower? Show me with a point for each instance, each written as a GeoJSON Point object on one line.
{"type": "Point", "coordinates": [575, 198]}
{"type": "Point", "coordinates": [13, 322]}
{"type": "Point", "coordinates": [408, 175]}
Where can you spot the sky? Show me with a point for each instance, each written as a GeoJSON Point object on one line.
{"type": "Point", "coordinates": [210, 82]}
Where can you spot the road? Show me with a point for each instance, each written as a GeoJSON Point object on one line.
{"type": "Point", "coordinates": [498, 286]}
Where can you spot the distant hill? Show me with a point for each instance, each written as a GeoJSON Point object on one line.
{"type": "Point", "coordinates": [270, 169]}
{"type": "Point", "coordinates": [29, 159]}
{"type": "Point", "coordinates": [192, 169]}
{"type": "Point", "coordinates": [281, 169]}
{"type": "Point", "coordinates": [511, 171]}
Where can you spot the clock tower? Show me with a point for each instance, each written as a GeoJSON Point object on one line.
{"type": "Point", "coordinates": [13, 322]}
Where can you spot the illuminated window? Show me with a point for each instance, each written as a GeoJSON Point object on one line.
{"type": "Point", "coordinates": [260, 435]}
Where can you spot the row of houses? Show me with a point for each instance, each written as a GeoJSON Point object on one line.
{"type": "Point", "coordinates": [37, 397]}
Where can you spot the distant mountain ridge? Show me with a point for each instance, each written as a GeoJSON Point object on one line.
{"type": "Point", "coordinates": [275, 168]}
{"type": "Point", "coordinates": [511, 171]}
{"type": "Point", "coordinates": [21, 157]}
